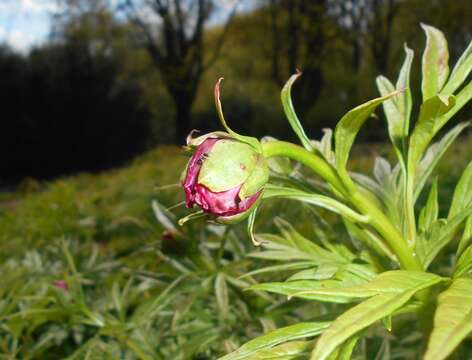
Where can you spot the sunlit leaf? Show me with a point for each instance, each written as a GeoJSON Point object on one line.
{"type": "Point", "coordinates": [372, 310]}
{"type": "Point", "coordinates": [347, 129]}
{"type": "Point", "coordinates": [452, 320]}
{"type": "Point", "coordinates": [276, 337]}
{"type": "Point", "coordinates": [460, 72]}
{"type": "Point", "coordinates": [435, 63]}
{"type": "Point", "coordinates": [291, 114]}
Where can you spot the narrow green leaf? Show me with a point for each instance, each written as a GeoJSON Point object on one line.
{"type": "Point", "coordinates": [464, 263]}
{"type": "Point", "coordinates": [370, 311]}
{"type": "Point", "coordinates": [347, 129]}
{"type": "Point", "coordinates": [276, 337]}
{"type": "Point", "coordinates": [221, 293]}
{"type": "Point", "coordinates": [306, 289]}
{"type": "Point", "coordinates": [462, 197]}
{"type": "Point", "coordinates": [429, 214]}
{"type": "Point", "coordinates": [435, 62]}
{"type": "Point", "coordinates": [428, 125]}
{"type": "Point", "coordinates": [288, 351]}
{"type": "Point", "coordinates": [460, 72]}
{"type": "Point", "coordinates": [446, 234]}
{"type": "Point", "coordinates": [404, 101]}
{"type": "Point", "coordinates": [292, 117]}
{"type": "Point", "coordinates": [250, 226]}
{"type": "Point", "coordinates": [394, 281]}
{"type": "Point", "coordinates": [344, 352]}
{"type": "Point", "coordinates": [219, 108]}
{"type": "Point", "coordinates": [466, 236]}
{"type": "Point", "coordinates": [370, 239]}
{"type": "Point", "coordinates": [281, 268]}
{"type": "Point", "coordinates": [434, 154]}
{"type": "Point", "coordinates": [452, 320]}
{"type": "Point", "coordinates": [326, 202]}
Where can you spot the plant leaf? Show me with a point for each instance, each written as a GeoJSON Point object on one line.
{"type": "Point", "coordinates": [274, 191]}
{"type": "Point", "coordinates": [347, 129]}
{"type": "Point", "coordinates": [460, 72]}
{"type": "Point", "coordinates": [394, 281]}
{"type": "Point", "coordinates": [446, 233]}
{"type": "Point", "coordinates": [464, 263]}
{"type": "Point", "coordinates": [434, 154]}
{"type": "Point", "coordinates": [462, 197]}
{"type": "Point", "coordinates": [370, 311]}
{"type": "Point", "coordinates": [429, 214]}
{"type": "Point", "coordinates": [466, 236]}
{"type": "Point", "coordinates": [452, 320]}
{"type": "Point", "coordinates": [404, 101]}
{"type": "Point", "coordinates": [291, 114]}
{"type": "Point", "coordinates": [287, 351]}
{"type": "Point", "coordinates": [435, 62]}
{"type": "Point", "coordinates": [276, 337]}
{"type": "Point", "coordinates": [221, 293]}
{"type": "Point", "coordinates": [428, 125]}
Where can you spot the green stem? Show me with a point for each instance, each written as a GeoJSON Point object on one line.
{"type": "Point", "coordinates": [309, 159]}
{"type": "Point", "coordinates": [378, 220]}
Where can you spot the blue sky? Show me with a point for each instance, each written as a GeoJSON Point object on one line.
{"type": "Point", "coordinates": [24, 23]}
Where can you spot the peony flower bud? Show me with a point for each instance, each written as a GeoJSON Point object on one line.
{"type": "Point", "coordinates": [225, 176]}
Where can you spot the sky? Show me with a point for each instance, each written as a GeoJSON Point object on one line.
{"type": "Point", "coordinates": [26, 23]}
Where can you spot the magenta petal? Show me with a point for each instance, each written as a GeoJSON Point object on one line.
{"type": "Point", "coordinates": [193, 169]}
{"type": "Point", "coordinates": [223, 203]}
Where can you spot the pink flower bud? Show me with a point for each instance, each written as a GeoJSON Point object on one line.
{"type": "Point", "coordinates": [224, 176]}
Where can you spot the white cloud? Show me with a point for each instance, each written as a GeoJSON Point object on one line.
{"type": "Point", "coordinates": [39, 6]}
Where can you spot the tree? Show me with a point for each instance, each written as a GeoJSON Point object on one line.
{"type": "Point", "coordinates": [173, 32]}
{"type": "Point", "coordinates": [301, 25]}
{"type": "Point", "coordinates": [369, 25]}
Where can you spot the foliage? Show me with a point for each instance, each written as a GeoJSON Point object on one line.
{"type": "Point", "coordinates": [394, 276]}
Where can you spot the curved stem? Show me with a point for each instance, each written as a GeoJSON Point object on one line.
{"type": "Point", "coordinates": [309, 159]}
{"type": "Point", "coordinates": [378, 219]}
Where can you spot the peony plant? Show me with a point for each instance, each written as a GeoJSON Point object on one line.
{"type": "Point", "coordinates": [387, 274]}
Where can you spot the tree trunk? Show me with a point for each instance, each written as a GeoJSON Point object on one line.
{"type": "Point", "coordinates": [183, 105]}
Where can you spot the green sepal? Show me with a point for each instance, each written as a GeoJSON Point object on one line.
{"type": "Point", "coordinates": [229, 164]}
{"type": "Point", "coordinates": [257, 179]}
{"type": "Point", "coordinates": [219, 108]}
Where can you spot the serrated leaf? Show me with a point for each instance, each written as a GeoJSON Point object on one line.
{"type": "Point", "coordinates": [435, 61]}
{"type": "Point", "coordinates": [452, 320]}
{"type": "Point", "coordinates": [368, 312]}
{"type": "Point", "coordinates": [276, 337]}
{"type": "Point", "coordinates": [460, 72]}
{"type": "Point", "coordinates": [347, 129]}
{"type": "Point", "coordinates": [291, 114]}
